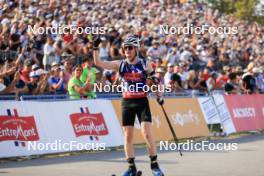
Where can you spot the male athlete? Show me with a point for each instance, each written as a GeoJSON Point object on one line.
{"type": "Point", "coordinates": [133, 71]}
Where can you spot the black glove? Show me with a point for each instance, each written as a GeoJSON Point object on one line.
{"type": "Point", "coordinates": [154, 79]}
{"type": "Point", "coordinates": [96, 41]}
{"type": "Point", "coordinates": [160, 100]}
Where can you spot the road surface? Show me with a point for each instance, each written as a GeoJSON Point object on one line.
{"type": "Point", "coordinates": [247, 160]}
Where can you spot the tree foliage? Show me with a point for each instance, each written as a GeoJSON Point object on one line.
{"type": "Point", "coordinates": [243, 9]}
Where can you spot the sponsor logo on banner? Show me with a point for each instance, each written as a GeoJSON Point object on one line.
{"type": "Point", "coordinates": [244, 112]}
{"type": "Point", "coordinates": [18, 128]}
{"type": "Point", "coordinates": [184, 114]}
{"type": "Point", "coordinates": [86, 123]}
{"type": "Point", "coordinates": [209, 110]}
{"type": "Point", "coordinates": [156, 122]}
{"type": "Point", "coordinates": [185, 118]}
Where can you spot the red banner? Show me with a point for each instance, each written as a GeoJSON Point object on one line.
{"type": "Point", "coordinates": [18, 128]}
{"type": "Point", "coordinates": [247, 111]}
{"type": "Point", "coordinates": [88, 124]}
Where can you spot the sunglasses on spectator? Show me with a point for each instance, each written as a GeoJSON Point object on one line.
{"type": "Point", "coordinates": [78, 70]}
{"type": "Point", "coordinates": [129, 48]}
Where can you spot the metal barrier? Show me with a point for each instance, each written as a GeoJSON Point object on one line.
{"type": "Point", "coordinates": [59, 97]}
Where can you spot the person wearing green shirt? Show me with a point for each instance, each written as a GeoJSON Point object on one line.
{"type": "Point", "coordinates": [89, 74]}
{"type": "Point", "coordinates": [76, 87]}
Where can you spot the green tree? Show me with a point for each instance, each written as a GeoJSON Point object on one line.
{"type": "Point", "coordinates": [243, 9]}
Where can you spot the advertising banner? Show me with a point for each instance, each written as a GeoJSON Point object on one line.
{"type": "Point", "coordinates": [184, 114]}
{"type": "Point", "coordinates": [246, 111]}
{"type": "Point", "coordinates": [224, 114]}
{"type": "Point", "coordinates": [29, 128]}
{"type": "Point", "coordinates": [209, 110]}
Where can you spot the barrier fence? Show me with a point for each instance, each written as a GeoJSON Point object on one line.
{"type": "Point", "coordinates": [99, 121]}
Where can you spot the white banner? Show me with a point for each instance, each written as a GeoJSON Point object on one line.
{"type": "Point", "coordinates": [29, 127]}
{"type": "Point", "coordinates": [209, 110]}
{"type": "Point", "coordinates": [224, 114]}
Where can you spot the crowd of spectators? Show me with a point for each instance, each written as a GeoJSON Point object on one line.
{"type": "Point", "coordinates": [34, 63]}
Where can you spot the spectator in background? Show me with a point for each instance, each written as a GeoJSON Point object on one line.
{"type": "Point", "coordinates": [8, 70]}
{"type": "Point", "coordinates": [173, 55]}
{"type": "Point", "coordinates": [56, 80]}
{"type": "Point", "coordinates": [232, 86]}
{"type": "Point", "coordinates": [49, 53]}
{"type": "Point", "coordinates": [258, 74]}
{"type": "Point", "coordinates": [211, 81]}
{"type": "Point", "coordinates": [202, 81]}
{"type": "Point", "coordinates": [26, 53]}
{"type": "Point", "coordinates": [76, 88]}
{"type": "Point", "coordinates": [109, 78]}
{"type": "Point", "coordinates": [159, 73]}
{"type": "Point", "coordinates": [186, 55]}
{"type": "Point", "coordinates": [43, 80]}
{"type": "Point", "coordinates": [24, 74]}
{"type": "Point", "coordinates": [192, 80]}
{"type": "Point", "coordinates": [67, 71]}
{"type": "Point", "coordinates": [31, 87]}
{"type": "Point", "coordinates": [183, 72]}
{"type": "Point", "coordinates": [89, 74]}
{"type": "Point", "coordinates": [216, 51]}
{"type": "Point", "coordinates": [11, 88]}
{"type": "Point", "coordinates": [14, 42]}
{"type": "Point", "coordinates": [59, 49]}
{"type": "Point", "coordinates": [157, 63]}
{"type": "Point", "coordinates": [104, 49]}
{"type": "Point", "coordinates": [155, 51]}
{"type": "Point", "coordinates": [249, 83]}
{"type": "Point", "coordinates": [248, 80]}
{"type": "Point", "coordinates": [175, 80]}
{"type": "Point", "coordinates": [167, 76]}
{"type": "Point", "coordinates": [114, 52]}
{"type": "Point", "coordinates": [223, 77]}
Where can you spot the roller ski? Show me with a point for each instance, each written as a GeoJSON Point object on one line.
{"type": "Point", "coordinates": [157, 172]}
{"type": "Point", "coordinates": [131, 172]}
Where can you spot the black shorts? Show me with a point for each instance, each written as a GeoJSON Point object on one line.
{"type": "Point", "coordinates": [133, 107]}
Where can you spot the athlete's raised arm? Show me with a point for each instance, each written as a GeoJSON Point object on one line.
{"type": "Point", "coordinates": [110, 65]}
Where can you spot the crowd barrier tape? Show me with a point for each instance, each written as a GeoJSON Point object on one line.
{"type": "Point", "coordinates": [185, 115]}
{"type": "Point", "coordinates": [247, 111]}
{"type": "Point", "coordinates": [85, 122]}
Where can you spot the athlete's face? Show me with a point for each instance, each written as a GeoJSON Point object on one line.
{"type": "Point", "coordinates": [130, 52]}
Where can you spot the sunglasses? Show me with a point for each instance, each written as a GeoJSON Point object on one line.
{"type": "Point", "coordinates": [78, 70]}
{"type": "Point", "coordinates": [129, 48]}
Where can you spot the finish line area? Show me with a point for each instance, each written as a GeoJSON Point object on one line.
{"type": "Point", "coordinates": [244, 161]}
